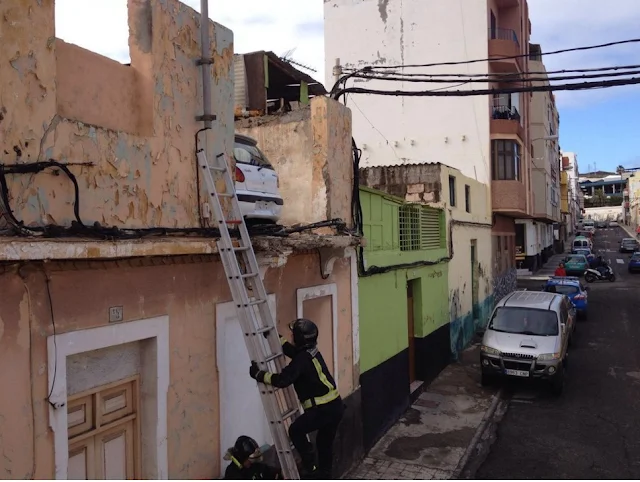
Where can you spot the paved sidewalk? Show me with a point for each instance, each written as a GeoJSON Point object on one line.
{"type": "Point", "coordinates": [432, 439]}
{"type": "Point", "coordinates": [546, 270]}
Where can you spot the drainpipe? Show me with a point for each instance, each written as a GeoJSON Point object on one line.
{"type": "Point", "coordinates": [205, 62]}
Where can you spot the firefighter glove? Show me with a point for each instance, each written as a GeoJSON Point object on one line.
{"type": "Point", "coordinates": [255, 372]}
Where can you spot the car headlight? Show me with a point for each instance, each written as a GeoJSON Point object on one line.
{"type": "Point", "coordinates": [549, 356]}
{"type": "Point", "coordinates": [489, 350]}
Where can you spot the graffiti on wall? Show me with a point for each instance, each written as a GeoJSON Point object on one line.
{"type": "Point", "coordinates": [504, 284]}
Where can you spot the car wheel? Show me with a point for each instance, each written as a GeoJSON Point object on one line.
{"type": "Point", "coordinates": [557, 383]}
{"type": "Point", "coordinates": [486, 379]}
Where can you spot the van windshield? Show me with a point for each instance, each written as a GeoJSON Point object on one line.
{"type": "Point", "coordinates": [524, 321]}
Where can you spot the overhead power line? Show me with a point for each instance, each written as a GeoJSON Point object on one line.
{"type": "Point", "coordinates": [508, 90]}
{"type": "Point", "coordinates": [503, 74]}
{"type": "Point", "coordinates": [434, 80]}
{"type": "Point", "coordinates": [463, 62]}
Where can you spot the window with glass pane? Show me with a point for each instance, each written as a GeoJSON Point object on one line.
{"type": "Point", "coordinates": [506, 160]}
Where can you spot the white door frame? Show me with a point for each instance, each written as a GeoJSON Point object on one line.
{"type": "Point", "coordinates": [320, 291]}
{"type": "Point", "coordinates": [59, 347]}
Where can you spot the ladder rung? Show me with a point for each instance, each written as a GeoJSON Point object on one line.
{"type": "Point", "coordinates": [231, 221]}
{"type": "Point", "coordinates": [289, 414]}
{"type": "Point", "coordinates": [222, 194]}
{"type": "Point", "coordinates": [249, 275]}
{"type": "Point", "coordinates": [272, 357]}
{"type": "Point", "coordinates": [253, 303]}
{"type": "Point", "coordinates": [265, 329]}
{"type": "Point", "coordinates": [240, 248]}
{"type": "Point", "coordinates": [218, 169]}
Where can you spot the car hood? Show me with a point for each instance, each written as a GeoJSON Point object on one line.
{"type": "Point", "coordinates": [514, 343]}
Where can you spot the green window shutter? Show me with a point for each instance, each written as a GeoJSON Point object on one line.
{"type": "Point", "coordinates": [430, 229]}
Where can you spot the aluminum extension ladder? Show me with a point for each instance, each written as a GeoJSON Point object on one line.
{"type": "Point", "coordinates": [250, 297]}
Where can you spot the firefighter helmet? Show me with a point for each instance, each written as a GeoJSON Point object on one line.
{"type": "Point", "coordinates": [246, 448]}
{"type": "Point", "coordinates": [305, 333]}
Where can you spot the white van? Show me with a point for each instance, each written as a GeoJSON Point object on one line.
{"type": "Point", "coordinates": [582, 243]}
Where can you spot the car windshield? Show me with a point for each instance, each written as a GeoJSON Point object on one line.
{"type": "Point", "coordinates": [564, 289]}
{"type": "Point", "coordinates": [576, 258]}
{"type": "Point", "coordinates": [524, 321]}
{"type": "Point", "coordinates": [635, 256]}
{"type": "Point", "coordinates": [629, 241]}
{"type": "Point", "coordinates": [249, 154]}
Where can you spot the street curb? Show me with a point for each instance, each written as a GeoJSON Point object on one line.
{"type": "Point", "coordinates": [484, 424]}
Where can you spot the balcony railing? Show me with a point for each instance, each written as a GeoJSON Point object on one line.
{"type": "Point", "coordinates": [503, 34]}
{"type": "Point", "coordinates": [505, 112]}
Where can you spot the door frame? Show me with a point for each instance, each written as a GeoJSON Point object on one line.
{"type": "Point", "coordinates": [154, 458]}
{"type": "Point", "coordinates": [411, 331]}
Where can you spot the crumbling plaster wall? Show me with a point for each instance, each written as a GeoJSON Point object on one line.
{"type": "Point", "coordinates": [187, 291]}
{"type": "Point", "coordinates": [135, 123]}
{"type": "Point", "coordinates": [311, 152]}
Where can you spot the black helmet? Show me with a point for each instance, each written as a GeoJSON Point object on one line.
{"type": "Point", "coordinates": [245, 448]}
{"type": "Point", "coordinates": [305, 332]}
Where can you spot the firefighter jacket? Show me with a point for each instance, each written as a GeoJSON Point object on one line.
{"type": "Point", "coordinates": [309, 375]}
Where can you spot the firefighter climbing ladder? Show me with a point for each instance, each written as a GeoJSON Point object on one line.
{"type": "Point", "coordinates": [252, 306]}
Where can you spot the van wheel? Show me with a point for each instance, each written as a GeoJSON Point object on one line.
{"type": "Point", "coordinates": [558, 382]}
{"type": "Point", "coordinates": [486, 380]}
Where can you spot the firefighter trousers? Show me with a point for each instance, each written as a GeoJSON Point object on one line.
{"type": "Point", "coordinates": [324, 419]}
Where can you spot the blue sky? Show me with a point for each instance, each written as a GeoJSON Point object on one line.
{"type": "Point", "coordinates": [600, 126]}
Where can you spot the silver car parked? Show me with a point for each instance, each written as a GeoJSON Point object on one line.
{"type": "Point", "coordinates": [528, 337]}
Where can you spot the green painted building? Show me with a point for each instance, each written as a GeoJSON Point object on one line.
{"type": "Point", "coordinates": [404, 306]}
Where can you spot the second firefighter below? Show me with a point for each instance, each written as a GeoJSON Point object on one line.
{"type": "Point", "coordinates": [317, 392]}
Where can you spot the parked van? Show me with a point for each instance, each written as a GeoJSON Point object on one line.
{"type": "Point", "coordinates": [528, 337]}
{"type": "Point", "coordinates": [582, 243]}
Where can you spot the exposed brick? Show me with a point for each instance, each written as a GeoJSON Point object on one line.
{"type": "Point", "coordinates": [415, 188]}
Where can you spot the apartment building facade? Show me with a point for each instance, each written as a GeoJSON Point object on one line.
{"type": "Point", "coordinates": [575, 196]}
{"type": "Point", "coordinates": [538, 232]}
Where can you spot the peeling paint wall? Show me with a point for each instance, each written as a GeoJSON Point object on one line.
{"type": "Point", "coordinates": [136, 123]}
{"type": "Point", "coordinates": [410, 130]}
{"type": "Point", "coordinates": [188, 293]}
{"type": "Point", "coordinates": [311, 151]}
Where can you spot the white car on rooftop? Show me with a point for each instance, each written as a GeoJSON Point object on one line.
{"type": "Point", "coordinates": [257, 183]}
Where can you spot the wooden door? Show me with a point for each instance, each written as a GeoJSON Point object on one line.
{"type": "Point", "coordinates": [411, 331]}
{"type": "Point", "coordinates": [103, 425]}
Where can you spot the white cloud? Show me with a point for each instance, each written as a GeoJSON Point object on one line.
{"type": "Point", "coordinates": [560, 24]}
{"type": "Point", "coordinates": [278, 26]}
{"type": "Point", "coordinates": [282, 25]}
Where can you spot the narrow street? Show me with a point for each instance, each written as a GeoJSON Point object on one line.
{"type": "Point", "coordinates": [591, 431]}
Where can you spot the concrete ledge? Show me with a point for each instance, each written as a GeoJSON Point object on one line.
{"type": "Point", "coordinates": [34, 249]}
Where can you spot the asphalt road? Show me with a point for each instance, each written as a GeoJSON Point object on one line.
{"type": "Point", "coordinates": [593, 430]}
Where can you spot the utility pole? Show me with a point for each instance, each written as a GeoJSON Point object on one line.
{"type": "Point", "coordinates": [337, 71]}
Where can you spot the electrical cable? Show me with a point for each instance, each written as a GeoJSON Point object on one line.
{"type": "Point", "coordinates": [55, 337]}
{"type": "Point", "coordinates": [200, 216]}
{"type": "Point", "coordinates": [79, 228]}
{"type": "Point", "coordinates": [462, 62]}
{"type": "Point", "coordinates": [434, 80]}
{"type": "Point", "coordinates": [507, 74]}
{"type": "Point", "coordinates": [509, 90]}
